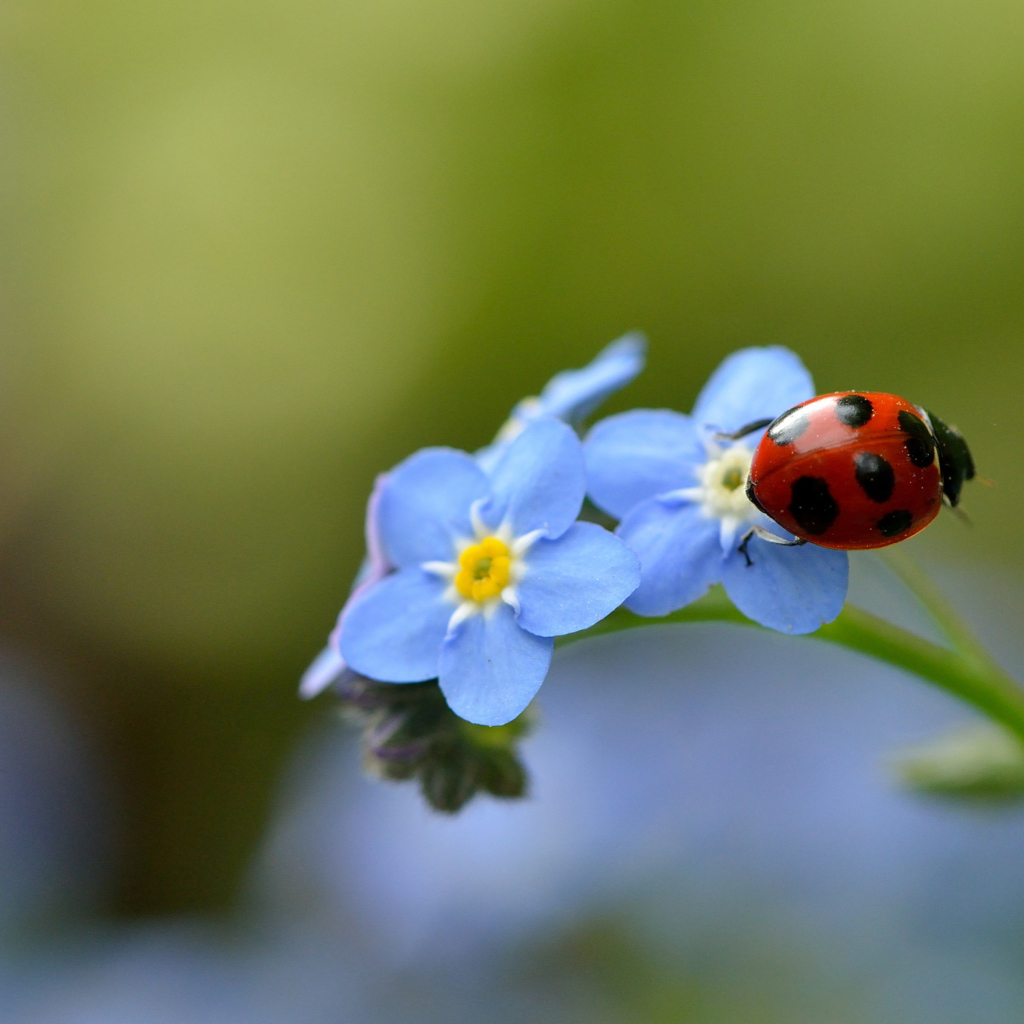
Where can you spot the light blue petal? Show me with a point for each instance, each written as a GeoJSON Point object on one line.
{"type": "Point", "coordinates": [575, 581]}
{"type": "Point", "coordinates": [367, 572]}
{"type": "Point", "coordinates": [425, 505]}
{"type": "Point", "coordinates": [574, 394]}
{"type": "Point", "coordinates": [636, 455]}
{"type": "Point", "coordinates": [490, 668]}
{"type": "Point", "coordinates": [375, 565]}
{"type": "Point", "coordinates": [794, 590]}
{"type": "Point", "coordinates": [326, 667]}
{"type": "Point", "coordinates": [539, 482]}
{"type": "Point", "coordinates": [752, 384]}
{"type": "Point", "coordinates": [394, 632]}
{"type": "Point", "coordinates": [487, 458]}
{"type": "Point", "coordinates": [680, 554]}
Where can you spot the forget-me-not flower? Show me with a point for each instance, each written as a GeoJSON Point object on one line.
{"type": "Point", "coordinates": [678, 487]}
{"type": "Point", "coordinates": [572, 395]}
{"type": "Point", "coordinates": [489, 568]}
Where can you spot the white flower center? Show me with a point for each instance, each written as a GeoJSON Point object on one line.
{"type": "Point", "coordinates": [723, 484]}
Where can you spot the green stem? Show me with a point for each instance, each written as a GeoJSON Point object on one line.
{"type": "Point", "coordinates": [959, 634]}
{"type": "Point", "coordinates": [968, 672]}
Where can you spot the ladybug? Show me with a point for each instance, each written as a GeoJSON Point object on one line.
{"type": "Point", "coordinates": [855, 470]}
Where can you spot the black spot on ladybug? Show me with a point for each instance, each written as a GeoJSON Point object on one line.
{"type": "Point", "coordinates": [920, 445]}
{"type": "Point", "coordinates": [894, 523]}
{"type": "Point", "coordinates": [788, 427]}
{"type": "Point", "coordinates": [854, 410]}
{"type": "Point", "coordinates": [875, 476]}
{"type": "Point", "coordinates": [752, 497]}
{"type": "Point", "coordinates": [812, 504]}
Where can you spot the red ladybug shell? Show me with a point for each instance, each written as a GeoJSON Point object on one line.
{"type": "Point", "coordinates": [848, 470]}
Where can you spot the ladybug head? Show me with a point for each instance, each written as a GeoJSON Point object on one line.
{"type": "Point", "coordinates": [955, 461]}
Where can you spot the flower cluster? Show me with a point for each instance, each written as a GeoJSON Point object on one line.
{"type": "Point", "coordinates": [476, 562]}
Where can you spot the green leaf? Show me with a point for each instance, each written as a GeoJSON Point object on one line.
{"type": "Point", "coordinates": [983, 762]}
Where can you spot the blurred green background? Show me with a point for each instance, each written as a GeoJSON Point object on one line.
{"type": "Point", "coordinates": [251, 254]}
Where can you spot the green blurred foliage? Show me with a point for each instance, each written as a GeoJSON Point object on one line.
{"type": "Point", "coordinates": [737, 973]}
{"type": "Point", "coordinates": [255, 253]}
{"type": "Point", "coordinates": [251, 254]}
{"type": "Point", "coordinates": [982, 763]}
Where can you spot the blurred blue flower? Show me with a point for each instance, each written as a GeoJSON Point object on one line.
{"type": "Point", "coordinates": [489, 570]}
{"type": "Point", "coordinates": [572, 395]}
{"type": "Point", "coordinates": [756, 808]}
{"type": "Point", "coordinates": [679, 490]}
{"type": "Point", "coordinates": [329, 664]}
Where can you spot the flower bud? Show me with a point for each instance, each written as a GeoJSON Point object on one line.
{"type": "Point", "coordinates": [409, 732]}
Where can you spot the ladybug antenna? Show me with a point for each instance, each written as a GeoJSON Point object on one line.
{"type": "Point", "coordinates": [744, 431]}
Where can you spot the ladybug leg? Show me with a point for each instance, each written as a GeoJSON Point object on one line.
{"type": "Point", "coordinates": [748, 428]}
{"type": "Point", "coordinates": [765, 535]}
{"type": "Point", "coordinates": [958, 512]}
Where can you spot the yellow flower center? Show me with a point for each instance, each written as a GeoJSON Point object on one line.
{"type": "Point", "coordinates": [483, 569]}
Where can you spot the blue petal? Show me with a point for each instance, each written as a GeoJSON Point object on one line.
{"type": "Point", "coordinates": [394, 632]}
{"type": "Point", "coordinates": [326, 667]}
{"type": "Point", "coordinates": [574, 394]}
{"type": "Point", "coordinates": [636, 455]}
{"type": "Point", "coordinates": [753, 384]}
{"type": "Point", "coordinates": [680, 554]}
{"type": "Point", "coordinates": [490, 668]}
{"type": "Point", "coordinates": [425, 505]}
{"type": "Point", "coordinates": [375, 565]}
{"type": "Point", "coordinates": [487, 457]}
{"type": "Point", "coordinates": [793, 590]}
{"type": "Point", "coordinates": [575, 581]}
{"type": "Point", "coordinates": [539, 482]}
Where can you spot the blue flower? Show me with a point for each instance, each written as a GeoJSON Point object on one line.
{"type": "Point", "coordinates": [678, 489]}
{"type": "Point", "coordinates": [572, 395]}
{"type": "Point", "coordinates": [488, 570]}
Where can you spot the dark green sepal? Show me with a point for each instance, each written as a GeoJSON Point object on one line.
{"type": "Point", "coordinates": [409, 732]}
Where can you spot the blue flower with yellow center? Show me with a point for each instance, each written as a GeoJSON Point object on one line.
{"type": "Point", "coordinates": [489, 568]}
{"type": "Point", "coordinates": [570, 396]}
{"type": "Point", "coordinates": [677, 484]}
